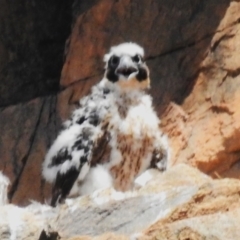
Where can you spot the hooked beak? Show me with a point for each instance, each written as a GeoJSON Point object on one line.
{"type": "Point", "coordinates": [127, 68]}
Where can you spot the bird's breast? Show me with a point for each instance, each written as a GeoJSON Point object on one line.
{"type": "Point", "coordinates": [132, 143]}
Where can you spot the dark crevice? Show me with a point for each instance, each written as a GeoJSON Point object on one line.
{"type": "Point", "coordinates": [191, 44]}
{"type": "Point", "coordinates": [80, 7]}
{"type": "Point", "coordinates": [148, 58]}
{"type": "Point", "coordinates": [232, 72]}
{"type": "Point", "coordinates": [180, 48]}
{"type": "Point", "coordinates": [60, 89]}
{"type": "Point", "coordinates": [221, 109]}
{"type": "Point", "coordinates": [104, 214]}
{"type": "Point", "coordinates": [98, 74]}
{"type": "Point", "coordinates": [52, 127]}
{"type": "Point", "coordinates": [54, 113]}
{"type": "Point", "coordinates": [224, 37]}
{"type": "Point", "coordinates": [25, 158]}
{"type": "Point", "coordinates": [14, 158]}
{"type": "Point", "coordinates": [52, 123]}
{"type": "Point", "coordinates": [121, 225]}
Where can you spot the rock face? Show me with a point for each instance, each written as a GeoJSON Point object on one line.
{"type": "Point", "coordinates": [32, 42]}
{"type": "Point", "coordinates": [175, 36]}
{"type": "Point", "coordinates": [32, 127]}
{"type": "Point", "coordinates": [186, 205]}
{"type": "Point", "coordinates": [205, 130]}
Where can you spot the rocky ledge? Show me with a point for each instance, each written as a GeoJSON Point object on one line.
{"type": "Point", "coordinates": [181, 203]}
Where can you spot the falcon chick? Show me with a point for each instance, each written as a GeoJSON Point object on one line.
{"type": "Point", "coordinates": [113, 136]}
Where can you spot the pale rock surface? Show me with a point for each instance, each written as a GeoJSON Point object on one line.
{"type": "Point", "coordinates": [20, 224]}
{"type": "Point", "coordinates": [180, 202]}
{"type": "Point", "coordinates": [218, 226]}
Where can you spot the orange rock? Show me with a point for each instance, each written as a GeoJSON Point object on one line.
{"type": "Point", "coordinates": [205, 132]}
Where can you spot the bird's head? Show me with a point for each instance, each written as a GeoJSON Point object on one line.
{"type": "Point", "coordinates": [126, 68]}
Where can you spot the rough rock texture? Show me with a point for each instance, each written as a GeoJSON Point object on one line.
{"type": "Point", "coordinates": [206, 128]}
{"type": "Point", "coordinates": [32, 41]}
{"type": "Point", "coordinates": [27, 131]}
{"type": "Point", "coordinates": [32, 127]}
{"type": "Point", "coordinates": [186, 205]}
{"type": "Point", "coordinates": [175, 35]}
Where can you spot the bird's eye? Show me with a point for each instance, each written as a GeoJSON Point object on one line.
{"type": "Point", "coordinates": [137, 58]}
{"type": "Point", "coordinates": [114, 60]}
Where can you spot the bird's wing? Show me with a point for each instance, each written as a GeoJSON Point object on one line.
{"type": "Point", "coordinates": [70, 157]}
{"type": "Point", "coordinates": [98, 153]}
{"type": "Point", "coordinates": [63, 185]}
{"type": "Point", "coordinates": [79, 146]}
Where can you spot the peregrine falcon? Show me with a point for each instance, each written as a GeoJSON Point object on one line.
{"type": "Point", "coordinates": [113, 136]}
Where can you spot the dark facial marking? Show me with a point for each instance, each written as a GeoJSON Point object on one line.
{"type": "Point", "coordinates": [137, 58]}
{"type": "Point", "coordinates": [112, 65]}
{"type": "Point", "coordinates": [142, 74]}
{"type": "Point", "coordinates": [114, 61]}
{"type": "Point", "coordinates": [111, 76]}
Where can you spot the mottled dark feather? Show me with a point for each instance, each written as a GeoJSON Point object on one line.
{"type": "Point", "coordinates": [63, 185]}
